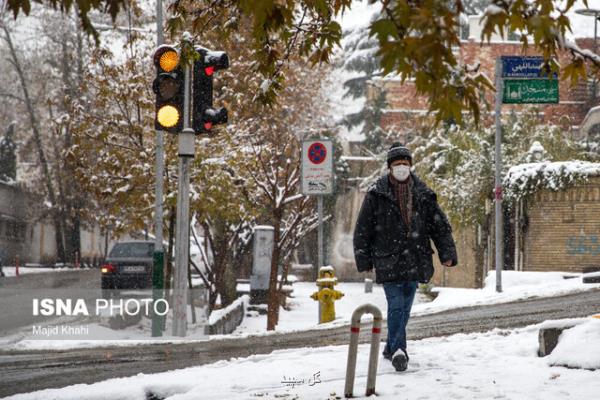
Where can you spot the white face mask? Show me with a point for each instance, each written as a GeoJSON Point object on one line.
{"type": "Point", "coordinates": [400, 172]}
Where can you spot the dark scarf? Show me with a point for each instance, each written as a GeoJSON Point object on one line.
{"type": "Point", "coordinates": [403, 194]}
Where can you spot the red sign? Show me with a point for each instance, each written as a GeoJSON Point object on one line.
{"type": "Point", "coordinates": [317, 153]}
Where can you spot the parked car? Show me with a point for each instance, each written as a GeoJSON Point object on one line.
{"type": "Point", "coordinates": [129, 266]}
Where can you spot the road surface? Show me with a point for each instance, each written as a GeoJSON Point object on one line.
{"type": "Point", "coordinates": [16, 294]}
{"type": "Point", "coordinates": [26, 371]}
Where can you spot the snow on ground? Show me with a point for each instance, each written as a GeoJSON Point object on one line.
{"type": "Point", "coordinates": [304, 310]}
{"type": "Point", "coordinates": [515, 286]}
{"type": "Point", "coordinates": [11, 270]}
{"type": "Point", "coordinates": [500, 364]}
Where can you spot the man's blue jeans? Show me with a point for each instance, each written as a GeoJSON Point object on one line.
{"type": "Point", "coordinates": [400, 296]}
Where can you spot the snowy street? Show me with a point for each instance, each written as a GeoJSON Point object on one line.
{"type": "Point", "coordinates": [499, 364]}
{"type": "Point", "coordinates": [454, 311]}
{"type": "Point", "coordinates": [235, 200]}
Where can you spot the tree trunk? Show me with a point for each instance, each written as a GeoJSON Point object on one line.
{"type": "Point", "coordinates": [273, 294]}
{"type": "Point", "coordinates": [229, 290]}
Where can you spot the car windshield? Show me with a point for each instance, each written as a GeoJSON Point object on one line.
{"type": "Point", "coordinates": [132, 250]}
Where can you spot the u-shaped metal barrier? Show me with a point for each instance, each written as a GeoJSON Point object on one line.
{"type": "Point", "coordinates": [374, 354]}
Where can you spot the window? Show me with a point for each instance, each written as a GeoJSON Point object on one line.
{"type": "Point", "coordinates": [132, 250]}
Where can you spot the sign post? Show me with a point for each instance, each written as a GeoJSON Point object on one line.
{"type": "Point", "coordinates": [519, 80]}
{"type": "Point", "coordinates": [317, 180]}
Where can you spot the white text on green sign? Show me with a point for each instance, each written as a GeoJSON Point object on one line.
{"type": "Point", "coordinates": [530, 91]}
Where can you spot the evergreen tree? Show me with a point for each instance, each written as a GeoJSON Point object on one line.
{"type": "Point", "coordinates": [361, 60]}
{"type": "Point", "coordinates": [457, 161]}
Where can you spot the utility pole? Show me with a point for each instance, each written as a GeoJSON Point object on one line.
{"type": "Point", "coordinates": [498, 182]}
{"type": "Point", "coordinates": [182, 234]}
{"type": "Point", "coordinates": [173, 87]}
{"type": "Point", "coordinates": [159, 254]}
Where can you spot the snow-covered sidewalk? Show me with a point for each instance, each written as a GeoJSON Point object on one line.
{"type": "Point", "coordinates": [500, 364]}
{"type": "Point", "coordinates": [10, 271]}
{"type": "Point", "coordinates": [516, 286]}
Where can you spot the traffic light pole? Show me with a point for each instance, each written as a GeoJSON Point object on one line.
{"type": "Point", "coordinates": [159, 254]}
{"type": "Point", "coordinates": [182, 236]}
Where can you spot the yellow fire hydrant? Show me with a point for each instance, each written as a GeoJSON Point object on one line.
{"type": "Point", "coordinates": [326, 294]}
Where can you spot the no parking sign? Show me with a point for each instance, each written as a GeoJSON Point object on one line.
{"type": "Point", "coordinates": [317, 167]}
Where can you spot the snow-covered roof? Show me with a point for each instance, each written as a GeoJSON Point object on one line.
{"type": "Point", "coordinates": [592, 118]}
{"type": "Point", "coordinates": [525, 179]}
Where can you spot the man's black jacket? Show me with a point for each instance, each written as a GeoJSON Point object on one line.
{"type": "Point", "coordinates": [382, 239]}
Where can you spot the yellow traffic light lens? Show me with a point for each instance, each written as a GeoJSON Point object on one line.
{"type": "Point", "coordinates": [168, 116]}
{"type": "Point", "coordinates": [168, 60]}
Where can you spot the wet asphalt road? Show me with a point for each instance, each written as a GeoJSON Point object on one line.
{"type": "Point", "coordinates": [26, 371]}
{"type": "Point", "coordinates": [16, 294]}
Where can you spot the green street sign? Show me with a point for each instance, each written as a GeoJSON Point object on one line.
{"type": "Point", "coordinates": [524, 91]}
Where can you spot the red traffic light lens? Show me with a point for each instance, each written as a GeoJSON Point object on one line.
{"type": "Point", "coordinates": [209, 70]}
{"type": "Point", "coordinates": [208, 126]}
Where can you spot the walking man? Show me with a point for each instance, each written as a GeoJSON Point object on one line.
{"type": "Point", "coordinates": [398, 217]}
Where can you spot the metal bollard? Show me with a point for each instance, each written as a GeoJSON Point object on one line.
{"type": "Point", "coordinates": [368, 285]}
{"type": "Point", "coordinates": [373, 355]}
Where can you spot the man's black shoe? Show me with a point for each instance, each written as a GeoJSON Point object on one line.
{"type": "Point", "coordinates": [386, 354]}
{"type": "Point", "coordinates": [400, 360]}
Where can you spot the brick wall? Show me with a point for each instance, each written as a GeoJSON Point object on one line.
{"type": "Point", "coordinates": [468, 273]}
{"type": "Point", "coordinates": [405, 107]}
{"type": "Point", "coordinates": [563, 232]}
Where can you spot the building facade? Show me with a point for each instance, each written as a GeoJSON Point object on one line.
{"type": "Point", "coordinates": [28, 237]}
{"type": "Point", "coordinates": [560, 230]}
{"type": "Point", "coordinates": [553, 231]}
{"type": "Point", "coordinates": [406, 108]}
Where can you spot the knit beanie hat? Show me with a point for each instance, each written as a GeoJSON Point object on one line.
{"type": "Point", "coordinates": [398, 152]}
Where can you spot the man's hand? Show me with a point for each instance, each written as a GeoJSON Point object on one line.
{"type": "Point", "coordinates": [447, 263]}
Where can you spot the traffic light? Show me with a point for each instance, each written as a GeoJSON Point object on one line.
{"type": "Point", "coordinates": [205, 116]}
{"type": "Point", "coordinates": [168, 87]}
